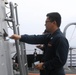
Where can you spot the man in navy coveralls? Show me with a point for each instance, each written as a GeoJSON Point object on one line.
{"type": "Point", "coordinates": [56, 45]}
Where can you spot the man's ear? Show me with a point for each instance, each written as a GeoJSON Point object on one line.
{"type": "Point", "coordinates": [54, 22]}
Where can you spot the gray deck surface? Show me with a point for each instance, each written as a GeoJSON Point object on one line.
{"type": "Point", "coordinates": [70, 70]}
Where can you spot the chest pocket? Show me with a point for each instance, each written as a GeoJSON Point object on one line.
{"type": "Point", "coordinates": [50, 42]}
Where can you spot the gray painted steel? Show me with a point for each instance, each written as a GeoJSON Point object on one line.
{"type": "Point", "coordinates": [25, 67]}
{"type": "Point", "coordinates": [5, 57]}
{"type": "Point", "coordinates": [64, 32]}
{"type": "Point", "coordinates": [16, 41]}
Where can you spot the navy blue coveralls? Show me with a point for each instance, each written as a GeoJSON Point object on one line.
{"type": "Point", "coordinates": [56, 51]}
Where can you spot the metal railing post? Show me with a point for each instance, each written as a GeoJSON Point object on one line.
{"type": "Point", "coordinates": [16, 41]}
{"type": "Point", "coordinates": [64, 32]}
{"type": "Point", "coordinates": [25, 67]}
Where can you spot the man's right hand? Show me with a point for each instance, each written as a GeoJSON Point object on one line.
{"type": "Point", "coordinates": [15, 37]}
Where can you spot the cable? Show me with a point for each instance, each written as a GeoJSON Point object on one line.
{"type": "Point", "coordinates": [7, 7]}
{"type": "Point", "coordinates": [8, 13]}
{"type": "Point", "coordinates": [11, 27]}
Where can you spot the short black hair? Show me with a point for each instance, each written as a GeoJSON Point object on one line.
{"type": "Point", "coordinates": [55, 16]}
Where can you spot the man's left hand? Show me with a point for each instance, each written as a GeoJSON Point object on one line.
{"type": "Point", "coordinates": [39, 66]}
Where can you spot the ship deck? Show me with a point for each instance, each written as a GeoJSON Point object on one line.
{"type": "Point", "coordinates": [32, 71]}
{"type": "Point", "coordinates": [68, 71]}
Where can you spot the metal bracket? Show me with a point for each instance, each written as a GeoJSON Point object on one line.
{"type": "Point", "coordinates": [9, 19]}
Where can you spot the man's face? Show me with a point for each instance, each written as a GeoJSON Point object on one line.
{"type": "Point", "coordinates": [48, 24]}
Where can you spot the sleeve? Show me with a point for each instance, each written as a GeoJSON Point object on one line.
{"type": "Point", "coordinates": [61, 55]}
{"type": "Point", "coordinates": [34, 39]}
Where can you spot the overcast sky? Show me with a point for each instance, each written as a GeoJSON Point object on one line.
{"type": "Point", "coordinates": [32, 15]}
